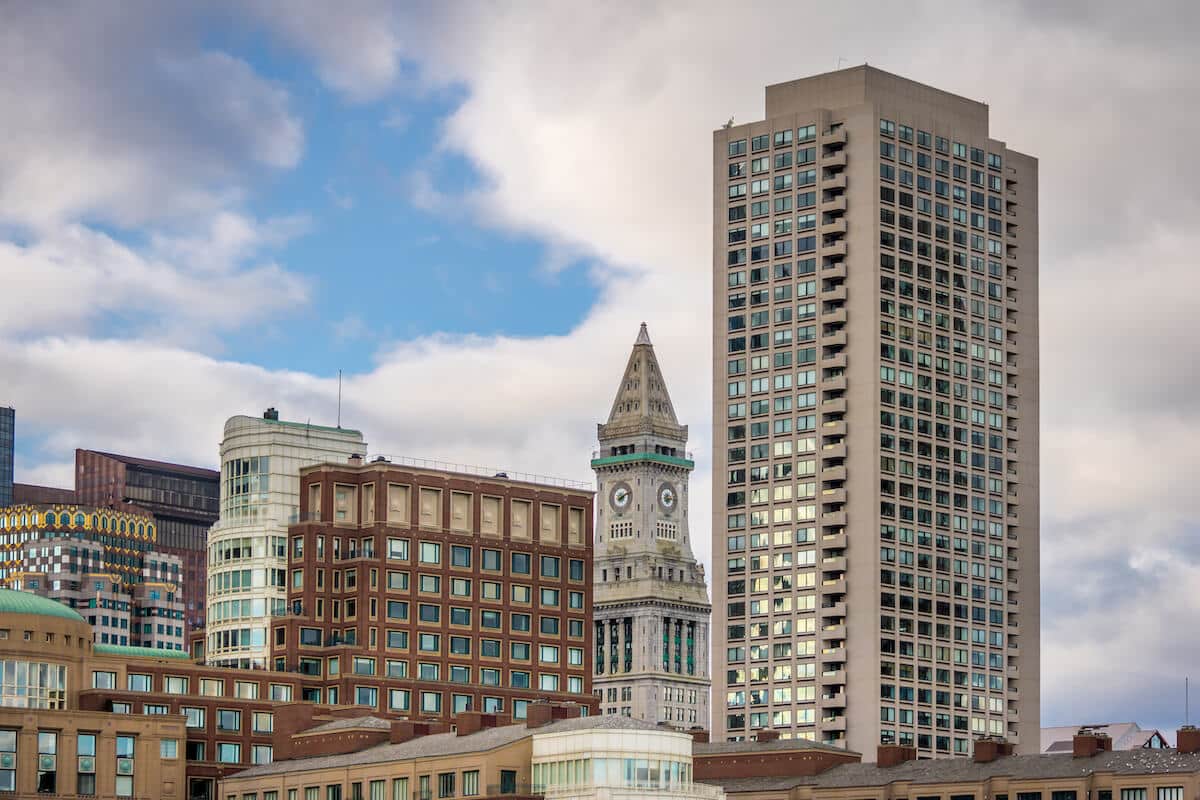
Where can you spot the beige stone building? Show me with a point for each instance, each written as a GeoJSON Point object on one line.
{"type": "Point", "coordinates": [875, 417]}
{"type": "Point", "coordinates": [651, 611]}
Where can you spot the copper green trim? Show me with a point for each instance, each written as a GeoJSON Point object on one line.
{"type": "Point", "coordinates": [657, 458]}
{"type": "Point", "coordinates": [142, 652]}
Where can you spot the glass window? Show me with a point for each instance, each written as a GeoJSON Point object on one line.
{"type": "Point", "coordinates": [520, 563]}
{"type": "Point", "coordinates": [431, 553]}
{"type": "Point", "coordinates": [229, 752]}
{"type": "Point", "coordinates": [460, 555]}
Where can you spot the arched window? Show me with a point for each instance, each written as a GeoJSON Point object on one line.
{"type": "Point", "coordinates": [78, 519]}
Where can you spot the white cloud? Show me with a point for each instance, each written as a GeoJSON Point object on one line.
{"type": "Point", "coordinates": [73, 278]}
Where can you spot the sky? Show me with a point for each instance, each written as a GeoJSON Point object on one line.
{"type": "Point", "coordinates": [211, 208]}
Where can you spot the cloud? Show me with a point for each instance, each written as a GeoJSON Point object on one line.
{"type": "Point", "coordinates": [73, 280]}
{"type": "Point", "coordinates": [121, 116]}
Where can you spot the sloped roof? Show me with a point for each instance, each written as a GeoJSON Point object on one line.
{"type": "Point", "coordinates": [1124, 735]}
{"type": "Point", "coordinates": [642, 404]}
{"type": "Point", "coordinates": [441, 744]}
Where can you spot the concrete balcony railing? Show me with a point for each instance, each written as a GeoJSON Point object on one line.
{"type": "Point", "coordinates": [834, 339]}
{"type": "Point", "coordinates": [833, 295]}
{"type": "Point", "coordinates": [834, 205]}
{"type": "Point", "coordinates": [834, 610]}
{"type": "Point", "coordinates": [837, 473]}
{"type": "Point", "coordinates": [837, 248]}
{"type": "Point", "coordinates": [836, 226]}
{"type": "Point", "coordinates": [833, 564]}
{"type": "Point", "coordinates": [834, 161]}
{"type": "Point", "coordinates": [834, 138]}
{"type": "Point", "coordinates": [834, 384]}
{"type": "Point", "coordinates": [835, 182]}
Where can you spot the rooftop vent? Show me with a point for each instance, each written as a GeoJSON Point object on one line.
{"type": "Point", "coordinates": [271, 413]}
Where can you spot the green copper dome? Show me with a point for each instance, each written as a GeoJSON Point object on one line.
{"type": "Point", "coordinates": [14, 602]}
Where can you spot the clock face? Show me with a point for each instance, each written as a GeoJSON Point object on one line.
{"type": "Point", "coordinates": [620, 496]}
{"type": "Point", "coordinates": [667, 497]}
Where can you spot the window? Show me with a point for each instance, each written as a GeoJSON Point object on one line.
{"type": "Point", "coordinates": [264, 722]}
{"type": "Point", "coordinates": [174, 684]}
{"type": "Point", "coordinates": [168, 748]}
{"type": "Point", "coordinates": [195, 717]}
{"type": "Point", "coordinates": [398, 549]}
{"type": "Point", "coordinates": [550, 566]}
{"type": "Point", "coordinates": [125, 749]}
{"type": "Point", "coordinates": [431, 553]}
{"type": "Point", "coordinates": [470, 785]}
{"type": "Point", "coordinates": [490, 560]}
{"type": "Point", "coordinates": [229, 720]}
{"type": "Point", "coordinates": [104, 680]}
{"type": "Point", "coordinates": [460, 556]}
{"type": "Point", "coordinates": [47, 763]}
{"type": "Point", "coordinates": [85, 750]}
{"type": "Point", "coordinates": [446, 784]}
{"type": "Point", "coordinates": [261, 754]}
{"type": "Point", "coordinates": [138, 683]}
{"type": "Point", "coordinates": [520, 563]}
{"type": "Point", "coordinates": [398, 699]}
{"type": "Point", "coordinates": [229, 753]}
{"type": "Point", "coordinates": [431, 702]}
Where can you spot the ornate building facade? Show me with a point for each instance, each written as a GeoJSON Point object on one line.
{"type": "Point", "coordinates": [651, 607]}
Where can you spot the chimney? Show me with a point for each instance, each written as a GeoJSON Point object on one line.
{"type": "Point", "coordinates": [699, 736]}
{"type": "Point", "coordinates": [271, 413]}
{"type": "Point", "coordinates": [1088, 742]}
{"type": "Point", "coordinates": [1187, 739]}
{"type": "Point", "coordinates": [468, 722]}
{"type": "Point", "coordinates": [889, 755]}
{"type": "Point", "coordinates": [541, 713]}
{"type": "Point", "coordinates": [990, 748]}
{"type": "Point", "coordinates": [766, 735]}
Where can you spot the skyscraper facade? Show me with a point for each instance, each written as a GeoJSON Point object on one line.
{"type": "Point", "coordinates": [183, 499]}
{"type": "Point", "coordinates": [247, 547]}
{"type": "Point", "coordinates": [651, 612]}
{"type": "Point", "coordinates": [8, 424]}
{"type": "Point", "coordinates": [875, 418]}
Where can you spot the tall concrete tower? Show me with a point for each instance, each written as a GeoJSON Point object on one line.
{"type": "Point", "coordinates": [651, 607]}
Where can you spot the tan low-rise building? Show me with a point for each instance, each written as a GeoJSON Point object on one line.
{"type": "Point", "coordinates": [48, 745]}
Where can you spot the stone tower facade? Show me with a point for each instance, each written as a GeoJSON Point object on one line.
{"type": "Point", "coordinates": [651, 607]}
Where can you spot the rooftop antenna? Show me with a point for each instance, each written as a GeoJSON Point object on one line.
{"type": "Point", "coordinates": [840, 59]}
{"type": "Point", "coordinates": [339, 416]}
{"type": "Point", "coordinates": [728, 124]}
{"type": "Point", "coordinates": [1187, 717]}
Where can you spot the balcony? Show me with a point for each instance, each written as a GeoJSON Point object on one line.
{"type": "Point", "coordinates": [836, 269]}
{"type": "Point", "coordinates": [834, 586]}
{"type": "Point", "coordinates": [834, 205]}
{"type": "Point", "coordinates": [833, 564]}
{"type": "Point", "coordinates": [834, 138]}
{"type": "Point", "coordinates": [833, 450]}
{"type": "Point", "coordinates": [833, 677]}
{"type": "Point", "coordinates": [837, 384]}
{"type": "Point", "coordinates": [833, 723]}
{"type": "Point", "coordinates": [834, 610]}
{"type": "Point", "coordinates": [834, 161]}
{"type": "Point", "coordinates": [836, 473]}
{"type": "Point", "coordinates": [835, 427]}
{"type": "Point", "coordinates": [837, 248]}
{"type": "Point", "coordinates": [834, 315]}
{"type": "Point", "coordinates": [835, 496]}
{"type": "Point", "coordinates": [833, 295]}
{"type": "Point", "coordinates": [833, 700]}
{"type": "Point", "coordinates": [836, 361]}
{"type": "Point", "coordinates": [837, 226]}
{"type": "Point", "coordinates": [834, 182]}
{"type": "Point", "coordinates": [834, 339]}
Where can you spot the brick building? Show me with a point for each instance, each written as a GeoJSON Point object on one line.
{"type": "Point", "coordinates": [432, 592]}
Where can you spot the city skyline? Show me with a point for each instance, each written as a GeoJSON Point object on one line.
{"type": "Point", "coordinates": [551, 207]}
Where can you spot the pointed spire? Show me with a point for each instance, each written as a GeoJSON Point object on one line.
{"type": "Point", "coordinates": [642, 404]}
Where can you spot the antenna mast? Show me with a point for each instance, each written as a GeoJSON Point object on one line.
{"type": "Point", "coordinates": [339, 413]}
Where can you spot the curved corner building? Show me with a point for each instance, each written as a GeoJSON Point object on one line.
{"type": "Point", "coordinates": [247, 555]}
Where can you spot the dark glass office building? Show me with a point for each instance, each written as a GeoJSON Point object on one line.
{"type": "Point", "coordinates": [185, 502]}
{"type": "Point", "coordinates": [8, 423]}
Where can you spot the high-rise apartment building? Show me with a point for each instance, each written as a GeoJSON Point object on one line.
{"type": "Point", "coordinates": [261, 460]}
{"type": "Point", "coordinates": [651, 611]}
{"type": "Point", "coordinates": [875, 418]}
{"type": "Point", "coordinates": [183, 499]}
{"type": "Point", "coordinates": [8, 424]}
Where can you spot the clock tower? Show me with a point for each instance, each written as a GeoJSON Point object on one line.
{"type": "Point", "coordinates": [650, 601]}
